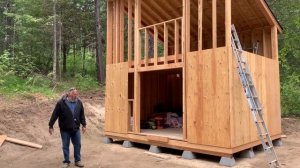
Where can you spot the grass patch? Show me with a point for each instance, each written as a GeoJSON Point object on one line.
{"type": "Point", "coordinates": [12, 86]}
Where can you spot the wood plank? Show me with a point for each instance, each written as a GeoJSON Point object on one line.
{"type": "Point", "coordinates": [129, 33]}
{"type": "Point", "coordinates": [161, 67]}
{"type": "Point", "coordinates": [228, 23]}
{"type": "Point", "coordinates": [157, 138]}
{"type": "Point", "coordinates": [265, 52]}
{"type": "Point", "coordinates": [176, 40]}
{"type": "Point", "coordinates": [155, 45]}
{"type": "Point", "coordinates": [274, 41]}
{"type": "Point", "coordinates": [146, 47]}
{"type": "Point", "coordinates": [137, 57]}
{"type": "Point", "coordinates": [25, 143]}
{"type": "Point", "coordinates": [2, 139]}
{"type": "Point", "coordinates": [117, 31]}
{"type": "Point", "coordinates": [214, 23]}
{"type": "Point", "coordinates": [122, 30]}
{"type": "Point", "coordinates": [166, 42]}
{"type": "Point", "coordinates": [200, 24]}
{"type": "Point", "coordinates": [109, 36]}
{"type": "Point", "coordinates": [157, 155]}
{"type": "Point", "coordinates": [266, 79]}
{"type": "Point", "coordinates": [185, 49]}
{"type": "Point", "coordinates": [116, 100]}
{"type": "Point", "coordinates": [208, 98]}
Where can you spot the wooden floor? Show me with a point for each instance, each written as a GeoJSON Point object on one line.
{"type": "Point", "coordinates": [172, 133]}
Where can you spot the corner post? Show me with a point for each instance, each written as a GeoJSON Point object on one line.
{"type": "Point", "coordinates": [228, 23]}
{"type": "Point", "coordinates": [186, 4]}
{"type": "Point", "coordinates": [109, 36]}
{"type": "Point", "coordinates": [137, 57]}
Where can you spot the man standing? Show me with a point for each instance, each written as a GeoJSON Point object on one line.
{"type": "Point", "coordinates": [70, 113]}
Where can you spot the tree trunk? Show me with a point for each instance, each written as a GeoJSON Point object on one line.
{"type": "Point", "coordinates": [83, 59]}
{"type": "Point", "coordinates": [54, 44]}
{"type": "Point", "coordinates": [74, 59]}
{"type": "Point", "coordinates": [99, 55]}
{"type": "Point", "coordinates": [59, 49]}
{"type": "Point", "coordinates": [65, 58]}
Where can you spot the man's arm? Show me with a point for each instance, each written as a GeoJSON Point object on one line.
{"type": "Point", "coordinates": [82, 116]}
{"type": "Point", "coordinates": [54, 116]}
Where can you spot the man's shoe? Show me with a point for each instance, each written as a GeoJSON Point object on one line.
{"type": "Point", "coordinates": [79, 164]}
{"type": "Point", "coordinates": [65, 165]}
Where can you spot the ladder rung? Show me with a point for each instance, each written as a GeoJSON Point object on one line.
{"type": "Point", "coordinates": [265, 134]}
{"type": "Point", "coordinates": [254, 97]}
{"type": "Point", "coordinates": [260, 121]}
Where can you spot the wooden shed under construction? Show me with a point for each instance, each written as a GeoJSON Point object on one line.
{"type": "Point", "coordinates": [175, 57]}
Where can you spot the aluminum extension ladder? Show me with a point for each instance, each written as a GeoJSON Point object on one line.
{"type": "Point", "coordinates": [253, 100]}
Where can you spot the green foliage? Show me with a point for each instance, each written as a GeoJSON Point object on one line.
{"type": "Point", "coordinates": [290, 94]}
{"type": "Point", "coordinates": [13, 85]}
{"type": "Point", "coordinates": [287, 12]}
{"type": "Point", "coordinates": [4, 63]}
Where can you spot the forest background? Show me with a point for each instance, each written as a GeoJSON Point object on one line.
{"type": "Point", "coordinates": [48, 46]}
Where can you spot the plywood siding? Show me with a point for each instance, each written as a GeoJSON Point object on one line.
{"type": "Point", "coordinates": [207, 94]}
{"type": "Point", "coordinates": [265, 74]}
{"type": "Point", "coordinates": [116, 101]}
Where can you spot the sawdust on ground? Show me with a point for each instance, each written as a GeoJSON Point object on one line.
{"type": "Point", "coordinates": [27, 118]}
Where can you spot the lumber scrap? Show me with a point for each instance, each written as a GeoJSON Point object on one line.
{"type": "Point", "coordinates": [157, 155]}
{"type": "Point", "coordinates": [25, 143]}
{"type": "Point", "coordinates": [2, 139]}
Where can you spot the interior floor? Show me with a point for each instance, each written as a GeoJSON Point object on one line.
{"type": "Point", "coordinates": [173, 133]}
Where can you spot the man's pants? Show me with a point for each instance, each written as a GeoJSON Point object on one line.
{"type": "Point", "coordinates": [75, 138]}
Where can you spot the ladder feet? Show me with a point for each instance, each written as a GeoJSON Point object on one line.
{"type": "Point", "coordinates": [227, 161]}
{"type": "Point", "coordinates": [188, 155]}
{"type": "Point", "coordinates": [127, 144]}
{"type": "Point", "coordinates": [277, 142]}
{"type": "Point", "coordinates": [248, 153]}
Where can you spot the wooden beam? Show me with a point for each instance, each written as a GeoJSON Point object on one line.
{"type": "Point", "coordinates": [200, 21]}
{"type": "Point", "coordinates": [176, 41]}
{"type": "Point", "coordinates": [214, 23]}
{"type": "Point", "coordinates": [109, 34]}
{"type": "Point", "coordinates": [117, 31]}
{"type": "Point", "coordinates": [265, 43]}
{"type": "Point", "coordinates": [114, 37]}
{"type": "Point", "coordinates": [161, 67]}
{"type": "Point", "coordinates": [274, 41]}
{"type": "Point", "coordinates": [187, 24]}
{"type": "Point", "coordinates": [146, 47]}
{"type": "Point", "coordinates": [25, 143]}
{"type": "Point", "coordinates": [137, 57]}
{"type": "Point", "coordinates": [129, 33]}
{"type": "Point", "coordinates": [2, 139]}
{"type": "Point", "coordinates": [166, 42]}
{"type": "Point", "coordinates": [185, 49]}
{"type": "Point", "coordinates": [228, 23]}
{"type": "Point", "coordinates": [121, 30]}
{"type": "Point", "coordinates": [155, 45]}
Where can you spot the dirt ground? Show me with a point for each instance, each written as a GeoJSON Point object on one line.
{"type": "Point", "coordinates": [27, 118]}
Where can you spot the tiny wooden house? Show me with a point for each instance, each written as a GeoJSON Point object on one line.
{"type": "Point", "coordinates": [175, 56]}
